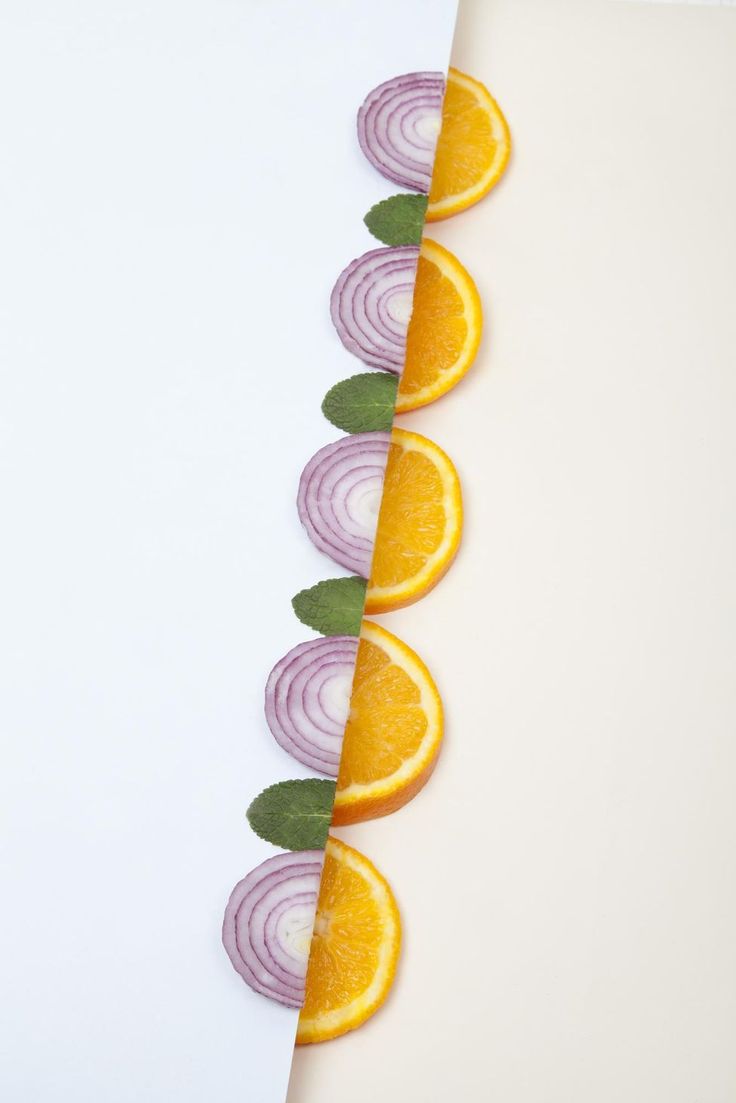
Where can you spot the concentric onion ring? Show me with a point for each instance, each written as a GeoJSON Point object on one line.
{"type": "Point", "coordinates": [308, 700]}
{"type": "Point", "coordinates": [398, 126]}
{"type": "Point", "coordinates": [371, 305]}
{"type": "Point", "coordinates": [340, 496]}
{"type": "Point", "coordinates": [268, 923]}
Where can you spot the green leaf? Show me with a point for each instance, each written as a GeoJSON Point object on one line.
{"type": "Point", "coordinates": [398, 220]}
{"type": "Point", "coordinates": [362, 403]}
{"type": "Point", "coordinates": [294, 815]}
{"type": "Point", "coordinates": [333, 607]}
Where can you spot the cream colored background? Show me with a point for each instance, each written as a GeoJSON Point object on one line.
{"type": "Point", "coordinates": [567, 879]}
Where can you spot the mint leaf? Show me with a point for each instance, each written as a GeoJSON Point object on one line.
{"type": "Point", "coordinates": [333, 607]}
{"type": "Point", "coordinates": [398, 220]}
{"type": "Point", "coordinates": [363, 403]}
{"type": "Point", "coordinates": [294, 815]}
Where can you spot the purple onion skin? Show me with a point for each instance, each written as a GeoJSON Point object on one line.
{"type": "Point", "coordinates": [398, 126]}
{"type": "Point", "coordinates": [281, 888]}
{"type": "Point", "coordinates": [371, 304]}
{"type": "Point", "coordinates": [307, 700]}
{"type": "Point", "coordinates": [339, 498]}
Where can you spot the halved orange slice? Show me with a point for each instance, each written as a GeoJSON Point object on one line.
{"type": "Point", "coordinates": [394, 729]}
{"type": "Point", "coordinates": [419, 523]}
{"type": "Point", "coordinates": [472, 150]}
{"type": "Point", "coordinates": [444, 330]}
{"type": "Point", "coordinates": [355, 946]}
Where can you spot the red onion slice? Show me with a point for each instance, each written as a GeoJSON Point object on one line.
{"type": "Point", "coordinates": [268, 923]}
{"type": "Point", "coordinates": [340, 496]}
{"type": "Point", "coordinates": [371, 305]}
{"type": "Point", "coordinates": [308, 700]}
{"type": "Point", "coordinates": [398, 126]}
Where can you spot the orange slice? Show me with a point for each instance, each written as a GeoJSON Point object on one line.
{"type": "Point", "coordinates": [472, 150]}
{"type": "Point", "coordinates": [419, 523]}
{"type": "Point", "coordinates": [355, 946]}
{"type": "Point", "coordinates": [444, 330]}
{"type": "Point", "coordinates": [394, 730]}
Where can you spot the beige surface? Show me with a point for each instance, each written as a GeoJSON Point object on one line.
{"type": "Point", "coordinates": [567, 879]}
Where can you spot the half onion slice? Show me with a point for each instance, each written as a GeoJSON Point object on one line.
{"type": "Point", "coordinates": [371, 305]}
{"type": "Point", "coordinates": [308, 700]}
{"type": "Point", "coordinates": [268, 924]}
{"type": "Point", "coordinates": [398, 126]}
{"type": "Point", "coordinates": [340, 495]}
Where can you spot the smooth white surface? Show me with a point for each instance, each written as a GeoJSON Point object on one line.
{"type": "Point", "coordinates": [180, 185]}
{"type": "Point", "coordinates": [567, 878]}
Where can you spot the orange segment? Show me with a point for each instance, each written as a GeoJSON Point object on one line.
{"type": "Point", "coordinates": [444, 330]}
{"type": "Point", "coordinates": [472, 150]}
{"type": "Point", "coordinates": [419, 524]}
{"type": "Point", "coordinates": [394, 730]}
{"type": "Point", "coordinates": [355, 946]}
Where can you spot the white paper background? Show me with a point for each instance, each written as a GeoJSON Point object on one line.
{"type": "Point", "coordinates": [180, 185]}
{"type": "Point", "coordinates": [567, 880]}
